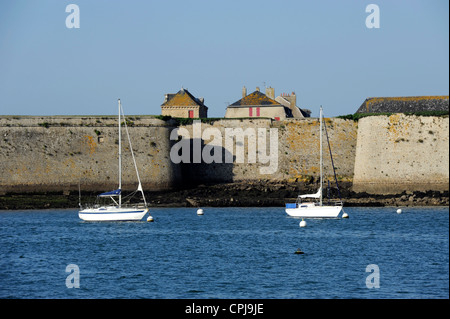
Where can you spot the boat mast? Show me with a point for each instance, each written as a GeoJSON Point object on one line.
{"type": "Point", "coordinates": [134, 161]}
{"type": "Point", "coordinates": [321, 157]}
{"type": "Point", "coordinates": [120, 160]}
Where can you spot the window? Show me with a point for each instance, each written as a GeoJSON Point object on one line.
{"type": "Point", "coordinates": [191, 114]}
{"type": "Point", "coordinates": [250, 111]}
{"type": "Point", "coordinates": [258, 113]}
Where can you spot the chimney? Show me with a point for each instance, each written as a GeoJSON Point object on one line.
{"type": "Point", "coordinates": [293, 100]}
{"type": "Point", "coordinates": [257, 88]}
{"type": "Point", "coordinates": [166, 97]}
{"type": "Point", "coordinates": [270, 92]}
{"type": "Point", "coordinates": [244, 91]}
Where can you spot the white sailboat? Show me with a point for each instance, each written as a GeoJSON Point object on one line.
{"type": "Point", "coordinates": [315, 207]}
{"type": "Point", "coordinates": [116, 210]}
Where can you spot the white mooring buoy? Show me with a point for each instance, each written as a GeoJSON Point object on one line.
{"type": "Point", "coordinates": [344, 215]}
{"type": "Point", "coordinates": [302, 223]}
{"type": "Point", "coordinates": [199, 211]}
{"type": "Point", "coordinates": [150, 219]}
{"type": "Point", "coordinates": [399, 211]}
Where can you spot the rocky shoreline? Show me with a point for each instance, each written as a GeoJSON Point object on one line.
{"type": "Point", "coordinates": [269, 194]}
{"type": "Point", "coordinates": [238, 194]}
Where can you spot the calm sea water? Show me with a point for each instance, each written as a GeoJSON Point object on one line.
{"type": "Point", "coordinates": [227, 253]}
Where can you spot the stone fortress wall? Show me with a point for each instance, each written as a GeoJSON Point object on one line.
{"type": "Point", "coordinates": [59, 153]}
{"type": "Point", "coordinates": [401, 152]}
{"type": "Point", "coordinates": [378, 153]}
{"type": "Point", "coordinates": [298, 150]}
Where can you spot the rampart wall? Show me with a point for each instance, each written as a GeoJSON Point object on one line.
{"type": "Point", "coordinates": [400, 152]}
{"type": "Point", "coordinates": [297, 153]}
{"type": "Point", "coordinates": [58, 153]}
{"type": "Point", "coordinates": [379, 154]}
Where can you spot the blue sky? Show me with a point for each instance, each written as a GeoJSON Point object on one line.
{"type": "Point", "coordinates": [140, 50]}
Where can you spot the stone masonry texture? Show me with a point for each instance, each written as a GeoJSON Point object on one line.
{"type": "Point", "coordinates": [377, 154]}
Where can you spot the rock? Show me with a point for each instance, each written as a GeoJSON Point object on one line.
{"type": "Point", "coordinates": [192, 202]}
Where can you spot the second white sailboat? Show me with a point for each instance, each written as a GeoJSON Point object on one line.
{"type": "Point", "coordinates": [314, 207]}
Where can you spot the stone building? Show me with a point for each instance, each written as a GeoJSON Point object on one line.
{"type": "Point", "coordinates": [258, 104]}
{"type": "Point", "coordinates": [183, 104]}
{"type": "Point", "coordinates": [290, 100]}
{"type": "Point", "coordinates": [404, 104]}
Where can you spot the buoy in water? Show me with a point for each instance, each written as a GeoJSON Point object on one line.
{"type": "Point", "coordinates": [199, 211]}
{"type": "Point", "coordinates": [344, 215]}
{"type": "Point", "coordinates": [302, 223]}
{"type": "Point", "coordinates": [150, 219]}
{"type": "Point", "coordinates": [399, 211]}
{"type": "Point", "coordinates": [299, 252]}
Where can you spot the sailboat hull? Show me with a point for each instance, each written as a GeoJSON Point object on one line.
{"type": "Point", "coordinates": [112, 214]}
{"type": "Point", "coordinates": [314, 211]}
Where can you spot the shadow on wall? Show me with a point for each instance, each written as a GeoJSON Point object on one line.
{"type": "Point", "coordinates": [205, 163]}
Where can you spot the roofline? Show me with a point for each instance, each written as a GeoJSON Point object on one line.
{"type": "Point", "coordinates": [184, 106]}
{"type": "Point", "coordinates": [257, 105]}
{"type": "Point", "coordinates": [430, 97]}
{"type": "Point", "coordinates": [193, 98]}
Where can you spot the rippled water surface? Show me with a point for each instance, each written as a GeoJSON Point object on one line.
{"type": "Point", "coordinates": [226, 253]}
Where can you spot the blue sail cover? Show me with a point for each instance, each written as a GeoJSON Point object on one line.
{"type": "Point", "coordinates": [111, 193]}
